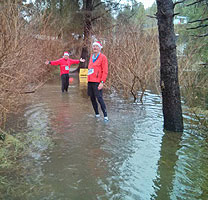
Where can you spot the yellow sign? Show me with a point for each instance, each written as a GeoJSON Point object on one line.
{"type": "Point", "coordinates": [83, 79]}
{"type": "Point", "coordinates": [83, 75]}
{"type": "Point", "coordinates": [83, 72]}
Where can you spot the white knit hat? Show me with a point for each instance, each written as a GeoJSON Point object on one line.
{"type": "Point", "coordinates": [98, 44]}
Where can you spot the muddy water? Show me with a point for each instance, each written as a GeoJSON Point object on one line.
{"type": "Point", "coordinates": [128, 158]}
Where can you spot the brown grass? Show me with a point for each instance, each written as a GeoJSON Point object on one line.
{"type": "Point", "coordinates": [22, 58]}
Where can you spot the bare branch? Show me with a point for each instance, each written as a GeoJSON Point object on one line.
{"type": "Point", "coordinates": [150, 16]}
{"type": "Point", "coordinates": [178, 2]}
{"type": "Point", "coordinates": [198, 20]}
{"type": "Point", "coordinates": [98, 5]}
{"type": "Point", "coordinates": [176, 14]}
{"type": "Point", "coordinates": [196, 27]}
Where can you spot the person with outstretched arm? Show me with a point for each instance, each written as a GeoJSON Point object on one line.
{"type": "Point", "coordinates": [97, 74]}
{"type": "Point", "coordinates": [64, 64]}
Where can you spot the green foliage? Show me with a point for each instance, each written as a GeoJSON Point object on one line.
{"type": "Point", "coordinates": [124, 15]}
{"type": "Point", "coordinates": [194, 82]}
{"type": "Point", "coordinates": [137, 15]}
{"type": "Point", "coordinates": [10, 150]}
{"type": "Point", "coordinates": [101, 16]}
{"type": "Point", "coordinates": [60, 17]}
{"type": "Point", "coordinates": [151, 12]}
{"type": "Point", "coordinates": [191, 35]}
{"type": "Point", "coordinates": [134, 15]}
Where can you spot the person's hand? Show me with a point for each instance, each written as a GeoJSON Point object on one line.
{"type": "Point", "coordinates": [100, 86]}
{"type": "Point", "coordinates": [47, 62]}
{"type": "Point", "coordinates": [82, 60]}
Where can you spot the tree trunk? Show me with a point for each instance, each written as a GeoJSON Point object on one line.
{"type": "Point", "coordinates": [61, 7]}
{"type": "Point", "coordinates": [88, 5]}
{"type": "Point", "coordinates": [171, 100]}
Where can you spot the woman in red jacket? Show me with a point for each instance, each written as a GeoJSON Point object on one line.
{"type": "Point", "coordinates": [97, 74]}
{"type": "Point", "coordinates": [64, 64]}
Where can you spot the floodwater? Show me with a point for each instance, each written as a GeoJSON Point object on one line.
{"type": "Point", "coordinates": [128, 158]}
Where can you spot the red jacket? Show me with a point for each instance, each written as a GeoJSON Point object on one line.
{"type": "Point", "coordinates": [98, 70]}
{"type": "Point", "coordinates": [64, 64]}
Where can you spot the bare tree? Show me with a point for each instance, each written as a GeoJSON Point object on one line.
{"type": "Point", "coordinates": [22, 56]}
{"type": "Point", "coordinates": [133, 60]}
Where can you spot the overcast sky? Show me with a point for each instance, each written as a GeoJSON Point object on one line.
{"type": "Point", "coordinates": [147, 3]}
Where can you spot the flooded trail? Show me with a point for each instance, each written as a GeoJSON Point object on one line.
{"type": "Point", "coordinates": [127, 158]}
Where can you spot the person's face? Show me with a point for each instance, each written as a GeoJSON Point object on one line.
{"type": "Point", "coordinates": [66, 57]}
{"type": "Point", "coordinates": [96, 49]}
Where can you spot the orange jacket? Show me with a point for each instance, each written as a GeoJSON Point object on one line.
{"type": "Point", "coordinates": [64, 64]}
{"type": "Point", "coordinates": [98, 70]}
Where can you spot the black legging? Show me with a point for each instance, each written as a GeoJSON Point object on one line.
{"type": "Point", "coordinates": [64, 82]}
{"type": "Point", "coordinates": [94, 93]}
{"type": "Point", "coordinates": [95, 105]}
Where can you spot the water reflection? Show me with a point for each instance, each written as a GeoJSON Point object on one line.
{"type": "Point", "coordinates": [191, 181]}
{"type": "Point", "coordinates": [163, 183]}
{"type": "Point", "coordinates": [182, 168]}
